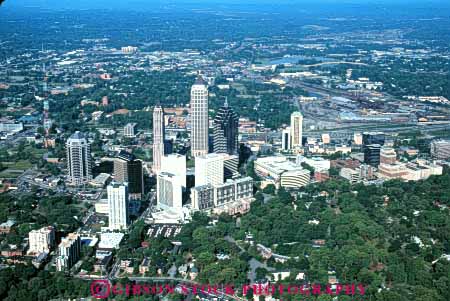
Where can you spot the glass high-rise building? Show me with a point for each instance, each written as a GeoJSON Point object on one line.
{"type": "Point", "coordinates": [225, 131]}
{"type": "Point", "coordinates": [372, 143]}
{"type": "Point", "coordinates": [286, 139]}
{"type": "Point", "coordinates": [129, 169]}
{"type": "Point", "coordinates": [373, 138]}
{"type": "Point", "coordinates": [372, 154]}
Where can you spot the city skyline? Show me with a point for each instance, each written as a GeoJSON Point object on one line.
{"type": "Point", "coordinates": [232, 145]}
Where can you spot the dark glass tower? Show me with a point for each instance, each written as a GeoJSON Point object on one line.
{"type": "Point", "coordinates": [225, 135]}
{"type": "Point", "coordinates": [373, 138]}
{"type": "Point", "coordinates": [372, 154]}
{"type": "Point", "coordinates": [372, 143]}
{"type": "Point", "coordinates": [129, 169]}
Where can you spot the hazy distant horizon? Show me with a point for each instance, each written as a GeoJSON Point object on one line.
{"type": "Point", "coordinates": [143, 4]}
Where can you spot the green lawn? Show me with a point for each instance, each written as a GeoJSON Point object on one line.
{"type": "Point", "coordinates": [9, 174]}
{"type": "Point", "coordinates": [38, 152]}
{"type": "Point", "coordinates": [19, 165]}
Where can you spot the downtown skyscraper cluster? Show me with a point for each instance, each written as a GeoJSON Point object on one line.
{"type": "Point", "coordinates": [225, 131]}
{"type": "Point", "coordinates": [211, 169]}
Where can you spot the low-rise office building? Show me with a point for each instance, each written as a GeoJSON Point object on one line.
{"type": "Point", "coordinates": [209, 196]}
{"type": "Point", "coordinates": [282, 171]}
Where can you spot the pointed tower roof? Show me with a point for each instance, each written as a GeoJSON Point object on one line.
{"type": "Point", "coordinates": [200, 81]}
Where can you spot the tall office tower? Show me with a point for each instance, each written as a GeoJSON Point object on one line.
{"type": "Point", "coordinates": [440, 149]}
{"type": "Point", "coordinates": [41, 240]}
{"type": "Point", "coordinates": [286, 139]}
{"type": "Point", "coordinates": [372, 143]}
{"type": "Point", "coordinates": [209, 169]}
{"type": "Point", "coordinates": [118, 206]}
{"type": "Point", "coordinates": [69, 252]}
{"type": "Point", "coordinates": [357, 139]}
{"type": "Point", "coordinates": [372, 154]}
{"type": "Point", "coordinates": [129, 169]}
{"type": "Point", "coordinates": [296, 129]}
{"type": "Point", "coordinates": [158, 137]}
{"type": "Point", "coordinates": [78, 159]}
{"type": "Point", "coordinates": [388, 155]}
{"type": "Point", "coordinates": [225, 138]}
{"type": "Point", "coordinates": [175, 164]}
{"type": "Point", "coordinates": [199, 118]}
{"type": "Point", "coordinates": [169, 191]}
{"type": "Point", "coordinates": [373, 138]}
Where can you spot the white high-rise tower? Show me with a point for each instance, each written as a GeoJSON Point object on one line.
{"type": "Point", "coordinates": [118, 206]}
{"type": "Point", "coordinates": [69, 252]}
{"type": "Point", "coordinates": [209, 169]}
{"type": "Point", "coordinates": [78, 159]}
{"type": "Point", "coordinates": [175, 164]}
{"type": "Point", "coordinates": [199, 118]}
{"type": "Point", "coordinates": [158, 137]}
{"type": "Point", "coordinates": [296, 129]}
{"type": "Point", "coordinates": [41, 240]}
{"type": "Point", "coordinates": [169, 191]}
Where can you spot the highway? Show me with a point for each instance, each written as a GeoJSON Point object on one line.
{"type": "Point", "coordinates": [392, 128]}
